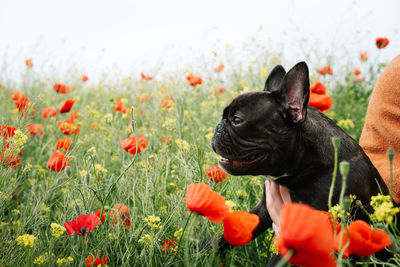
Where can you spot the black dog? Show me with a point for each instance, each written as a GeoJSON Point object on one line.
{"type": "Point", "coordinates": [273, 132]}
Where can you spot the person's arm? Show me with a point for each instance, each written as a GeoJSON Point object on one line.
{"type": "Point", "coordinates": [276, 195]}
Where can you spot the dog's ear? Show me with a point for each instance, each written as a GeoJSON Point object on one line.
{"type": "Point", "coordinates": [274, 79]}
{"type": "Point", "coordinates": [295, 92]}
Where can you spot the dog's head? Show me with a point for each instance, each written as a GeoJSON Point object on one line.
{"type": "Point", "coordinates": [257, 129]}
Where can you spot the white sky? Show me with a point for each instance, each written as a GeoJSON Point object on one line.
{"type": "Point", "coordinates": [135, 36]}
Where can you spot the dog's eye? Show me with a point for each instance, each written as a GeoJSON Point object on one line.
{"type": "Point", "coordinates": [236, 120]}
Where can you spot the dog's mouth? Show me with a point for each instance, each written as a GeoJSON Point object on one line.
{"type": "Point", "coordinates": [249, 160]}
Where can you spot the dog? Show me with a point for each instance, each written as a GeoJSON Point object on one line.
{"type": "Point", "coordinates": [275, 133]}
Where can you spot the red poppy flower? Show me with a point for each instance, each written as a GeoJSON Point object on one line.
{"type": "Point", "coordinates": [358, 79]}
{"type": "Point", "coordinates": [119, 106]}
{"type": "Point", "coordinates": [364, 56]}
{"type": "Point", "coordinates": [219, 68]}
{"type": "Point", "coordinates": [321, 102]}
{"type": "Point", "coordinates": [167, 102]}
{"type": "Point", "coordinates": [9, 160]}
{"type": "Point", "coordinates": [308, 233]}
{"type": "Point", "coordinates": [47, 112]}
{"type": "Point", "coordinates": [168, 245]}
{"type": "Point", "coordinates": [23, 104]}
{"type": "Point", "coordinates": [328, 217]}
{"type": "Point", "coordinates": [66, 107]}
{"type": "Point", "coordinates": [381, 42]}
{"type": "Point", "coordinates": [326, 70]}
{"type": "Point", "coordinates": [58, 162]}
{"type": "Point", "coordinates": [63, 143]}
{"type": "Point", "coordinates": [61, 88]}
{"type": "Point", "coordinates": [84, 78]}
{"type": "Point", "coordinates": [166, 140]}
{"type": "Point", "coordinates": [29, 63]}
{"type": "Point", "coordinates": [318, 97]}
{"type": "Point", "coordinates": [17, 96]}
{"type": "Point", "coordinates": [220, 90]}
{"type": "Point", "coordinates": [356, 72]}
{"type": "Point", "coordinates": [68, 127]}
{"type": "Point", "coordinates": [239, 226]}
{"type": "Point", "coordinates": [129, 144]}
{"type": "Point", "coordinates": [145, 77]}
{"type": "Point", "coordinates": [97, 213]}
{"type": "Point", "coordinates": [216, 174]}
{"type": "Point", "coordinates": [200, 198]}
{"type": "Point", "coordinates": [318, 88]}
{"type": "Point", "coordinates": [193, 80]}
{"type": "Point", "coordinates": [7, 131]}
{"type": "Point", "coordinates": [120, 212]}
{"type": "Point", "coordinates": [82, 225]}
{"type": "Point", "coordinates": [364, 240]}
{"type": "Point", "coordinates": [35, 129]}
{"type": "Point", "coordinates": [143, 98]}
{"type": "Point", "coordinates": [93, 261]}
{"type": "Point", "coordinates": [73, 115]}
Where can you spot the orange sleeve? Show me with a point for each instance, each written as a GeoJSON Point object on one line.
{"type": "Point", "coordinates": [382, 125]}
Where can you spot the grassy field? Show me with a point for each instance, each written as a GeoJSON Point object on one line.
{"type": "Point", "coordinates": [178, 121]}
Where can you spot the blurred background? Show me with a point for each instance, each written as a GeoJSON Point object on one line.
{"type": "Point", "coordinates": [159, 38]}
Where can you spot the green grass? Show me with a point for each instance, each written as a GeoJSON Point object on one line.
{"type": "Point", "coordinates": [156, 182]}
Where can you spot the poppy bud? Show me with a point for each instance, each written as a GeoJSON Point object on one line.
{"type": "Point", "coordinates": [68, 171]}
{"type": "Point", "coordinates": [87, 176]}
{"type": "Point", "coordinates": [390, 154]}
{"type": "Point", "coordinates": [344, 168]}
{"type": "Point", "coordinates": [346, 203]}
{"type": "Point", "coordinates": [336, 142]}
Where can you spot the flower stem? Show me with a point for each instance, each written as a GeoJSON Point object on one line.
{"type": "Point", "coordinates": [390, 155]}
{"type": "Point", "coordinates": [336, 144]}
{"type": "Point", "coordinates": [285, 259]}
{"type": "Point", "coordinates": [183, 233]}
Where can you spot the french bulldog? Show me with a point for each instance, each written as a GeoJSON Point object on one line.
{"type": "Point", "coordinates": [275, 133]}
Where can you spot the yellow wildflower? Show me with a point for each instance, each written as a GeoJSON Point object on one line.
{"type": "Point", "coordinates": [100, 169]}
{"type": "Point", "coordinates": [230, 204]}
{"type": "Point", "coordinates": [169, 124]}
{"type": "Point", "coordinates": [178, 234]}
{"type": "Point", "coordinates": [57, 230]}
{"type": "Point", "coordinates": [45, 208]}
{"type": "Point", "coordinates": [108, 117]}
{"type": "Point", "coordinates": [346, 124]}
{"type": "Point", "coordinates": [26, 240]}
{"type": "Point", "coordinates": [337, 211]}
{"type": "Point", "coordinates": [16, 211]}
{"type": "Point", "coordinates": [153, 221]}
{"type": "Point", "coordinates": [39, 260]}
{"type": "Point", "coordinates": [383, 208]}
{"type": "Point", "coordinates": [146, 240]}
{"type": "Point", "coordinates": [111, 236]}
{"type": "Point", "coordinates": [18, 140]}
{"type": "Point", "coordinates": [62, 261]}
{"type": "Point", "coordinates": [16, 225]}
{"type": "Point", "coordinates": [3, 196]}
{"type": "Point", "coordinates": [182, 144]}
{"type": "Point", "coordinates": [241, 193]}
{"type": "Point", "coordinates": [92, 151]}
